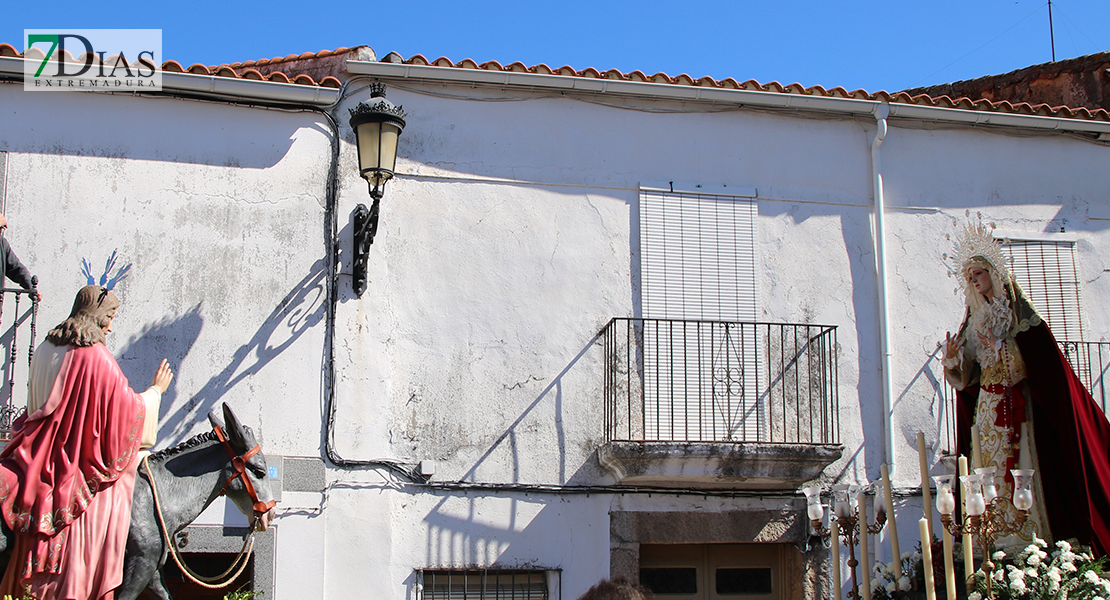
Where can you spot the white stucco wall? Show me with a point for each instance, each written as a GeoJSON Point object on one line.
{"type": "Point", "coordinates": [505, 244]}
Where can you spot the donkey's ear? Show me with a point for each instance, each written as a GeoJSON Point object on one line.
{"type": "Point", "coordinates": [235, 430]}
{"type": "Point", "coordinates": [215, 420]}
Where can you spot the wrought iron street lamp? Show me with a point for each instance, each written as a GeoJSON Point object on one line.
{"type": "Point", "coordinates": [377, 126]}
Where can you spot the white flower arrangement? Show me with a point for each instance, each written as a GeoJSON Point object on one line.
{"type": "Point", "coordinates": [884, 586]}
{"type": "Point", "coordinates": [1033, 575]}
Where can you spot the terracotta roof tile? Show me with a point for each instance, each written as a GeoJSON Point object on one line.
{"type": "Point", "coordinates": [324, 68]}
{"type": "Point", "coordinates": [327, 68]}
{"type": "Point", "coordinates": [903, 97]}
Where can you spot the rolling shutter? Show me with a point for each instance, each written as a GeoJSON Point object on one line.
{"type": "Point", "coordinates": [1046, 270]}
{"type": "Point", "coordinates": [698, 257]}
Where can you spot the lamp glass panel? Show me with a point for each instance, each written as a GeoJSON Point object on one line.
{"type": "Point", "coordinates": [389, 136]}
{"type": "Point", "coordinates": [368, 156]}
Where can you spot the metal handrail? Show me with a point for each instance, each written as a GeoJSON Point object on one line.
{"type": "Point", "coordinates": [685, 380]}
{"type": "Point", "coordinates": [10, 409]}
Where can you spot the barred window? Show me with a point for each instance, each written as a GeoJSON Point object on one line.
{"type": "Point", "coordinates": [698, 261]}
{"type": "Point", "coordinates": [488, 584]}
{"type": "Point", "coordinates": [1044, 265]}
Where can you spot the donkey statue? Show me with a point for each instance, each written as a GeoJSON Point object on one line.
{"type": "Point", "coordinates": [188, 477]}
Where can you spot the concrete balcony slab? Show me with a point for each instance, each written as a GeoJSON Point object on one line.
{"type": "Point", "coordinates": [717, 465]}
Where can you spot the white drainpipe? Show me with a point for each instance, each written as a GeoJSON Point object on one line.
{"type": "Point", "coordinates": [881, 113]}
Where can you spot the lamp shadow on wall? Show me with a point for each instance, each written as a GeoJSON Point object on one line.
{"type": "Point", "coordinates": [302, 309]}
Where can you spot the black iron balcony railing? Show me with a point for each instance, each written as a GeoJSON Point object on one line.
{"type": "Point", "coordinates": [712, 381]}
{"type": "Point", "coordinates": [1091, 361]}
{"type": "Point", "coordinates": [15, 323]}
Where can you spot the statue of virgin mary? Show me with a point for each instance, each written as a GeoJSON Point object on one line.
{"type": "Point", "coordinates": [1015, 385]}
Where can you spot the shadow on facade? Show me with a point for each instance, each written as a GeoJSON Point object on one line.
{"type": "Point", "coordinates": [244, 138]}
{"type": "Point", "coordinates": [553, 393]}
{"type": "Point", "coordinates": [303, 308]}
{"type": "Point", "coordinates": [514, 532]}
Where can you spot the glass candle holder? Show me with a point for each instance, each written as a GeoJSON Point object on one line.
{"type": "Point", "coordinates": [946, 500]}
{"type": "Point", "coordinates": [879, 503]}
{"type": "Point", "coordinates": [990, 489]}
{"type": "Point", "coordinates": [844, 500]}
{"type": "Point", "coordinates": [973, 488]}
{"type": "Point", "coordinates": [1023, 488]}
{"type": "Point", "coordinates": [814, 509]}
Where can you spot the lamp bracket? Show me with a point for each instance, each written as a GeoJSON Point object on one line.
{"type": "Point", "coordinates": [365, 223]}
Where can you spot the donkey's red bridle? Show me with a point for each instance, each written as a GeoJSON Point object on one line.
{"type": "Point", "coordinates": [239, 463]}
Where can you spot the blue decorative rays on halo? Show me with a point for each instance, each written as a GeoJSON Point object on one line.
{"type": "Point", "coordinates": [105, 280]}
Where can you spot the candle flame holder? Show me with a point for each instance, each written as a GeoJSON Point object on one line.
{"type": "Point", "coordinates": [989, 520]}
{"type": "Point", "coordinates": [849, 524]}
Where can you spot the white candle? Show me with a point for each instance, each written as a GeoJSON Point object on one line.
{"type": "Point", "coordinates": [892, 523]}
{"type": "Point", "coordinates": [835, 558]}
{"type": "Point", "coordinates": [927, 558]}
{"type": "Point", "coordinates": [969, 554]}
{"type": "Point", "coordinates": [1025, 459]}
{"type": "Point", "coordinates": [949, 566]}
{"type": "Point", "coordinates": [976, 451]}
{"type": "Point", "coordinates": [925, 495]}
{"type": "Point", "coordinates": [865, 560]}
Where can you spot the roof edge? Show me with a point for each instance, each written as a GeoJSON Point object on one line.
{"type": "Point", "coordinates": [901, 105]}
{"type": "Point", "coordinates": [221, 86]}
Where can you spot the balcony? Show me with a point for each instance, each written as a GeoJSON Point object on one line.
{"type": "Point", "coordinates": [18, 319]}
{"type": "Point", "coordinates": [712, 404]}
{"type": "Point", "coordinates": [1091, 361]}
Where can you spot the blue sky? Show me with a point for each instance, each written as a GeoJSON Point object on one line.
{"type": "Point", "coordinates": [863, 44]}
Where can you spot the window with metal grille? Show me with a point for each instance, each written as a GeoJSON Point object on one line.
{"type": "Point", "coordinates": [698, 257]}
{"type": "Point", "coordinates": [487, 584]}
{"type": "Point", "coordinates": [1044, 265]}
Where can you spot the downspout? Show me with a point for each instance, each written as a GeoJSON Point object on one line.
{"type": "Point", "coordinates": [882, 111]}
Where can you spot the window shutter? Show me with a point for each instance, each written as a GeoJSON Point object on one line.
{"type": "Point", "coordinates": [698, 257]}
{"type": "Point", "coordinates": [1047, 271]}
{"type": "Point", "coordinates": [698, 263]}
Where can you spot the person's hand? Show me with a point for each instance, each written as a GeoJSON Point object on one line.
{"type": "Point", "coordinates": [951, 345]}
{"type": "Point", "coordinates": [39, 295]}
{"type": "Point", "coordinates": [985, 340]}
{"type": "Point", "coordinates": [162, 377]}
